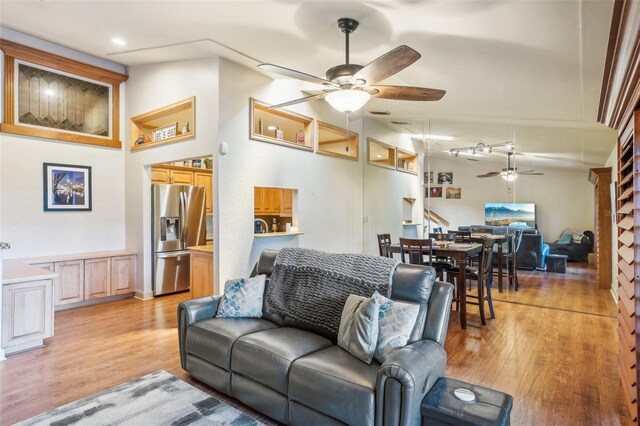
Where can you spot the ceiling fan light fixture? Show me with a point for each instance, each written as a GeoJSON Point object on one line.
{"type": "Point", "coordinates": [348, 100]}
{"type": "Point", "coordinates": [509, 176]}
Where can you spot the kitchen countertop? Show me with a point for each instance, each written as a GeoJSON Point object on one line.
{"type": "Point", "coordinates": [76, 256]}
{"type": "Point", "coordinates": [17, 271]}
{"type": "Point", "coordinates": [207, 248]}
{"type": "Point", "coordinates": [278, 234]}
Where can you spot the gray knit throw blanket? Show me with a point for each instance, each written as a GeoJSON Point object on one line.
{"type": "Point", "coordinates": [311, 287]}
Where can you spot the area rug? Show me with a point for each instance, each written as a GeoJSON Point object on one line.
{"type": "Point", "coordinates": [155, 399]}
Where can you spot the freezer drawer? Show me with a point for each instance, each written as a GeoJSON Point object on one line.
{"type": "Point", "coordinates": [171, 272]}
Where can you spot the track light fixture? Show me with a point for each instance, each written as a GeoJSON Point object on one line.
{"type": "Point", "coordinates": [481, 148]}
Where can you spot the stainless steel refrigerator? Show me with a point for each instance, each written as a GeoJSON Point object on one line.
{"type": "Point", "coordinates": [178, 221]}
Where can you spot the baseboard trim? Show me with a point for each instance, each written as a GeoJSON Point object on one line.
{"type": "Point", "coordinates": [92, 302]}
{"type": "Point", "coordinates": [143, 295]}
{"type": "Point", "coordinates": [614, 293]}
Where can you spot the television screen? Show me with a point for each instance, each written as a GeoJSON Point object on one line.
{"type": "Point", "coordinates": [510, 214]}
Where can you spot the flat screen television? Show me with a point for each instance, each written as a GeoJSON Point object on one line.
{"type": "Point", "coordinates": [510, 214]}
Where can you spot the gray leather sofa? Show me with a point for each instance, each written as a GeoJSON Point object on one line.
{"type": "Point", "coordinates": [298, 377]}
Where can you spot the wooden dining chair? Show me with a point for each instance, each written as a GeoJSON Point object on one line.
{"type": "Point", "coordinates": [384, 240]}
{"type": "Point", "coordinates": [420, 252]}
{"type": "Point", "coordinates": [461, 236]}
{"type": "Point", "coordinates": [483, 277]}
{"type": "Point", "coordinates": [442, 237]}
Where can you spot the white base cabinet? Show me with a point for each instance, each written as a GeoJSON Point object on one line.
{"type": "Point", "coordinates": [27, 314]}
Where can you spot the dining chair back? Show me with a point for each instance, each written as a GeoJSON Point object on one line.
{"type": "Point", "coordinates": [416, 250]}
{"type": "Point", "coordinates": [462, 236]}
{"type": "Point", "coordinates": [384, 240]}
{"type": "Point", "coordinates": [442, 237]}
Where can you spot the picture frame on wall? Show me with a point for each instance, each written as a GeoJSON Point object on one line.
{"type": "Point", "coordinates": [445, 178]}
{"type": "Point", "coordinates": [433, 192]}
{"type": "Point", "coordinates": [66, 187]}
{"type": "Point", "coordinates": [454, 193]}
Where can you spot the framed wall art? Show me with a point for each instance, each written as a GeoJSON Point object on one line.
{"type": "Point", "coordinates": [66, 187]}
{"type": "Point", "coordinates": [52, 97]}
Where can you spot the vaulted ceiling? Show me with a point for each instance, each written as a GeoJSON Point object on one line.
{"type": "Point", "coordinates": [533, 64]}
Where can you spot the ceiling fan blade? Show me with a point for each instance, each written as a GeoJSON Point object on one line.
{"type": "Point", "coordinates": [298, 101]}
{"type": "Point", "coordinates": [294, 74]}
{"type": "Point", "coordinates": [406, 93]}
{"type": "Point", "coordinates": [531, 173]}
{"type": "Point", "coordinates": [490, 174]}
{"type": "Point", "coordinates": [387, 65]}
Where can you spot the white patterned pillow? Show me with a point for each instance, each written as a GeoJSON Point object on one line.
{"type": "Point", "coordinates": [242, 298]}
{"type": "Point", "coordinates": [396, 321]}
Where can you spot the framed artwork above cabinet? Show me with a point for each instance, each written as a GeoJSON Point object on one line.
{"type": "Point", "coordinates": [280, 126]}
{"type": "Point", "coordinates": [52, 97]}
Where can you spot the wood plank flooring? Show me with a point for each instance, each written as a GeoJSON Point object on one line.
{"type": "Point", "coordinates": [552, 346]}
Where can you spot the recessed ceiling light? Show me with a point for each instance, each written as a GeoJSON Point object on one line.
{"type": "Point", "coordinates": [118, 41]}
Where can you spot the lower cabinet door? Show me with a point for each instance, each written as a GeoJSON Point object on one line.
{"type": "Point", "coordinates": [27, 312]}
{"type": "Point", "coordinates": [97, 278]}
{"type": "Point", "coordinates": [69, 285]}
{"type": "Point", "coordinates": [123, 274]}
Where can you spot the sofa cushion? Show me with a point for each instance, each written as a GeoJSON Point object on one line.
{"type": "Point", "coordinates": [337, 384]}
{"type": "Point", "coordinates": [359, 327]}
{"type": "Point", "coordinates": [265, 357]}
{"type": "Point", "coordinates": [212, 339]}
{"type": "Point", "coordinates": [242, 298]}
{"type": "Point", "coordinates": [397, 320]}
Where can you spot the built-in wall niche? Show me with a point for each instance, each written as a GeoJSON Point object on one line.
{"type": "Point", "coordinates": [275, 211]}
{"type": "Point", "coordinates": [167, 124]}
{"type": "Point", "coordinates": [280, 126]}
{"type": "Point", "coordinates": [381, 154]}
{"type": "Point", "coordinates": [334, 141]}
{"type": "Point", "coordinates": [407, 161]}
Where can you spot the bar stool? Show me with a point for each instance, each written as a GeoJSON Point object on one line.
{"type": "Point", "coordinates": [417, 249]}
{"type": "Point", "coordinates": [384, 241]}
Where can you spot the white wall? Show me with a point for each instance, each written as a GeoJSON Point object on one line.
{"type": "Point", "coordinates": [329, 189]}
{"type": "Point", "coordinates": [23, 223]}
{"type": "Point", "coordinates": [563, 199]}
{"type": "Point", "coordinates": [612, 162]}
{"type": "Point", "coordinates": [386, 188]}
{"type": "Point", "coordinates": [150, 87]}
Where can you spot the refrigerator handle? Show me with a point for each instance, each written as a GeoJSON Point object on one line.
{"type": "Point", "coordinates": [183, 220]}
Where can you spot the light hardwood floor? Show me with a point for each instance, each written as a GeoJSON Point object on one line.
{"type": "Point", "coordinates": [552, 346]}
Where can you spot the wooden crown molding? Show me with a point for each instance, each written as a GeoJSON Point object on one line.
{"type": "Point", "coordinates": [620, 91]}
{"type": "Point", "coordinates": [50, 60]}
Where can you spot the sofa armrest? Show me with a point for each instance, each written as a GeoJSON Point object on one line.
{"type": "Point", "coordinates": [190, 312]}
{"type": "Point", "coordinates": [438, 312]}
{"type": "Point", "coordinates": [404, 379]}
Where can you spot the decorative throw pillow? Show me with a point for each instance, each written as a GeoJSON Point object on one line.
{"type": "Point", "coordinates": [565, 238]}
{"type": "Point", "coordinates": [577, 238]}
{"type": "Point", "coordinates": [242, 298]}
{"type": "Point", "coordinates": [397, 320]}
{"type": "Point", "coordinates": [358, 332]}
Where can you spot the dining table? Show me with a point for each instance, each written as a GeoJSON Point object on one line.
{"type": "Point", "coordinates": [461, 253]}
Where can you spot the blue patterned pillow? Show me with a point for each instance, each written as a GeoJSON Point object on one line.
{"type": "Point", "coordinates": [396, 321]}
{"type": "Point", "coordinates": [242, 298]}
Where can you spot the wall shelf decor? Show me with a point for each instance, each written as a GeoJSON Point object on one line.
{"type": "Point", "coordinates": [52, 97]}
{"type": "Point", "coordinates": [332, 140]}
{"type": "Point", "coordinates": [381, 154]}
{"type": "Point", "coordinates": [406, 161]}
{"type": "Point", "coordinates": [168, 124]}
{"type": "Point", "coordinates": [280, 126]}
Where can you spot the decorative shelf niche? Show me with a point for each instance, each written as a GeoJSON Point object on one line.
{"type": "Point", "coordinates": [164, 125]}
{"type": "Point", "coordinates": [333, 140]}
{"type": "Point", "coordinates": [407, 161]}
{"type": "Point", "coordinates": [381, 154]}
{"type": "Point", "coordinates": [280, 126]}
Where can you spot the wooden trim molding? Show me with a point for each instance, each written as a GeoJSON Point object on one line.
{"type": "Point", "coordinates": [620, 91]}
{"type": "Point", "coordinates": [13, 51]}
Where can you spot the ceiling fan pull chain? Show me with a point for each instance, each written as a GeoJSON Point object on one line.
{"type": "Point", "coordinates": [347, 138]}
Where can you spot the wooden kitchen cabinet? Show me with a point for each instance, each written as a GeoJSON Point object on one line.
{"type": "Point", "coordinates": [205, 179]}
{"type": "Point", "coordinates": [27, 314]}
{"type": "Point", "coordinates": [286, 205]}
{"type": "Point", "coordinates": [69, 285]}
{"type": "Point", "coordinates": [123, 274]}
{"type": "Point", "coordinates": [160, 175]}
{"type": "Point", "coordinates": [267, 201]}
{"type": "Point", "coordinates": [181, 177]}
{"type": "Point", "coordinates": [201, 271]}
{"type": "Point", "coordinates": [97, 278]}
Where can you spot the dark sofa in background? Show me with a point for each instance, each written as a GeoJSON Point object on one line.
{"type": "Point", "coordinates": [575, 252]}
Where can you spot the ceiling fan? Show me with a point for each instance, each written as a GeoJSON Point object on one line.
{"type": "Point", "coordinates": [510, 173]}
{"type": "Point", "coordinates": [349, 86]}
